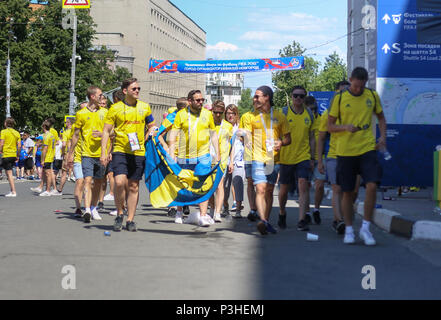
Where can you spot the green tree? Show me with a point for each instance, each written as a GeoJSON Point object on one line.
{"type": "Point", "coordinates": [333, 71]}
{"type": "Point", "coordinates": [41, 66]}
{"type": "Point", "coordinates": [246, 101]}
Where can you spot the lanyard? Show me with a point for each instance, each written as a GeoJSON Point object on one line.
{"type": "Point", "coordinates": [264, 125]}
{"type": "Point", "coordinates": [189, 124]}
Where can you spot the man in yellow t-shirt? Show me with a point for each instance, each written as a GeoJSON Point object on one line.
{"type": "Point", "coordinates": [297, 160]}
{"type": "Point", "coordinates": [89, 123]}
{"type": "Point", "coordinates": [195, 127]}
{"type": "Point", "coordinates": [356, 147]}
{"type": "Point", "coordinates": [47, 159]}
{"type": "Point", "coordinates": [128, 119]}
{"type": "Point", "coordinates": [10, 146]}
{"type": "Point", "coordinates": [224, 131]}
{"type": "Point", "coordinates": [268, 130]}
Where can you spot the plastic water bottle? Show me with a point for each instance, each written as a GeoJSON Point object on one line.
{"type": "Point", "coordinates": [107, 233]}
{"type": "Point", "coordinates": [438, 148]}
{"type": "Point", "coordinates": [386, 154]}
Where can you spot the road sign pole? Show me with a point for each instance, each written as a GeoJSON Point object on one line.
{"type": "Point", "coordinates": [74, 59]}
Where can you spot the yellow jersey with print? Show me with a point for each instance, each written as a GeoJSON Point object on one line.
{"type": "Point", "coordinates": [88, 121]}
{"type": "Point", "coordinates": [11, 137]}
{"type": "Point", "coordinates": [224, 132]}
{"type": "Point", "coordinates": [315, 128]}
{"type": "Point", "coordinates": [168, 125]}
{"type": "Point", "coordinates": [79, 146]}
{"type": "Point", "coordinates": [65, 137]}
{"type": "Point", "coordinates": [300, 126]}
{"type": "Point", "coordinates": [193, 130]}
{"type": "Point", "coordinates": [127, 120]}
{"type": "Point", "coordinates": [248, 152]}
{"type": "Point", "coordinates": [54, 133]}
{"type": "Point", "coordinates": [332, 152]}
{"type": "Point", "coordinates": [358, 111]}
{"type": "Point", "coordinates": [49, 141]}
{"type": "Point", "coordinates": [265, 128]}
{"type": "Point", "coordinates": [172, 109]}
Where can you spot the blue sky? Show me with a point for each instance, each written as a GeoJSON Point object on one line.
{"type": "Point", "coordinates": [248, 29]}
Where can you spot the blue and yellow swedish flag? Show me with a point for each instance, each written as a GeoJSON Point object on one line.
{"type": "Point", "coordinates": [169, 184]}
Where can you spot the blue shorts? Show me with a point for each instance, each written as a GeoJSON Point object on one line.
{"type": "Point", "coordinates": [78, 170]}
{"type": "Point", "coordinates": [92, 167]}
{"type": "Point", "coordinates": [263, 173]}
{"type": "Point", "coordinates": [290, 173]}
{"type": "Point", "coordinates": [200, 165]}
{"type": "Point", "coordinates": [129, 165]}
{"type": "Point", "coordinates": [248, 170]}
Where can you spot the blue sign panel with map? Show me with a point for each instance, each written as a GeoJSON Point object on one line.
{"type": "Point", "coordinates": [409, 85]}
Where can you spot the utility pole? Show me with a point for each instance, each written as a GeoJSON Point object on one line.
{"type": "Point", "coordinates": [74, 59]}
{"type": "Point", "coordinates": [8, 74]}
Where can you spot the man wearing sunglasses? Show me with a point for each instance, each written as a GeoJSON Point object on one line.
{"type": "Point", "coordinates": [297, 160]}
{"type": "Point", "coordinates": [266, 132]}
{"type": "Point", "coordinates": [128, 118]}
{"type": "Point", "coordinates": [356, 154]}
{"type": "Point", "coordinates": [196, 129]}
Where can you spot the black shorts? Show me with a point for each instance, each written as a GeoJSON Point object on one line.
{"type": "Point", "coordinates": [8, 163]}
{"type": "Point", "coordinates": [58, 165]}
{"type": "Point", "coordinates": [290, 173]}
{"type": "Point", "coordinates": [29, 164]}
{"type": "Point", "coordinates": [47, 166]}
{"type": "Point", "coordinates": [366, 165]}
{"type": "Point", "coordinates": [127, 164]}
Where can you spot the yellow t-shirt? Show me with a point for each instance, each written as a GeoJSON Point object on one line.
{"type": "Point", "coordinates": [358, 111]}
{"type": "Point", "coordinates": [171, 110]}
{"type": "Point", "coordinates": [54, 133]}
{"type": "Point", "coordinates": [11, 138]}
{"type": "Point", "coordinates": [65, 137]}
{"type": "Point", "coordinates": [128, 119]}
{"type": "Point", "coordinates": [79, 147]}
{"type": "Point", "coordinates": [199, 128]}
{"type": "Point", "coordinates": [261, 133]}
{"type": "Point", "coordinates": [248, 152]}
{"type": "Point", "coordinates": [224, 132]}
{"type": "Point", "coordinates": [300, 126]}
{"type": "Point", "coordinates": [49, 141]}
{"type": "Point", "coordinates": [88, 121]}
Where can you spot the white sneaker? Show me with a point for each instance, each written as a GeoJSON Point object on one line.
{"type": "Point", "coordinates": [96, 215]}
{"type": "Point", "coordinates": [109, 197]}
{"type": "Point", "coordinates": [217, 217]}
{"type": "Point", "coordinates": [55, 192]}
{"type": "Point", "coordinates": [349, 238]}
{"type": "Point", "coordinates": [178, 218]}
{"type": "Point", "coordinates": [11, 195]}
{"type": "Point", "coordinates": [367, 237]}
{"type": "Point", "coordinates": [193, 218]}
{"type": "Point", "coordinates": [203, 221]}
{"type": "Point", "coordinates": [113, 213]}
{"type": "Point", "coordinates": [45, 194]}
{"type": "Point", "coordinates": [37, 190]}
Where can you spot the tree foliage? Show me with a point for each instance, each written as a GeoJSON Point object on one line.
{"type": "Point", "coordinates": [40, 53]}
{"type": "Point", "coordinates": [246, 102]}
{"type": "Point", "coordinates": [312, 77]}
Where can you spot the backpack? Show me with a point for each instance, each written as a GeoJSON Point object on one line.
{"type": "Point", "coordinates": [311, 115]}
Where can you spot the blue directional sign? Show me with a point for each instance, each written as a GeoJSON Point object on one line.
{"type": "Point", "coordinates": [399, 55]}
{"type": "Point", "coordinates": [323, 99]}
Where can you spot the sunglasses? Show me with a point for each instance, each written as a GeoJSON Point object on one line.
{"type": "Point", "coordinates": [136, 88]}
{"type": "Point", "coordinates": [218, 112]}
{"type": "Point", "coordinates": [257, 96]}
{"type": "Point", "coordinates": [199, 100]}
{"type": "Point", "coordinates": [301, 96]}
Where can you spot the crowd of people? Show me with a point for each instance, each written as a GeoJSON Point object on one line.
{"type": "Point", "coordinates": [294, 148]}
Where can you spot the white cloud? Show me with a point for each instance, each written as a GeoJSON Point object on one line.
{"type": "Point", "coordinates": [222, 47]}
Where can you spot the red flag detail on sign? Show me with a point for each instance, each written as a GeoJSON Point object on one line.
{"type": "Point", "coordinates": [76, 4]}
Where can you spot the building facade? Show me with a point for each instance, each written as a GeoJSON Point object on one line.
{"type": "Point", "coordinates": [140, 30]}
{"type": "Point", "coordinates": [224, 86]}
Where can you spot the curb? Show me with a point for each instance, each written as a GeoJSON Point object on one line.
{"type": "Point", "coordinates": [394, 222]}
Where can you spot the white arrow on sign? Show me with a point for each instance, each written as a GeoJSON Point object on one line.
{"type": "Point", "coordinates": [386, 48]}
{"type": "Point", "coordinates": [386, 18]}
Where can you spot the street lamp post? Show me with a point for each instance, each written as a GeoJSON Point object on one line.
{"type": "Point", "coordinates": [8, 74]}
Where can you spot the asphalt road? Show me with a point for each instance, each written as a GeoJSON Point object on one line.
{"type": "Point", "coordinates": [46, 253]}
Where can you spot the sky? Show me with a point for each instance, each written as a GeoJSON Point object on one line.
{"type": "Point", "coordinates": [247, 29]}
